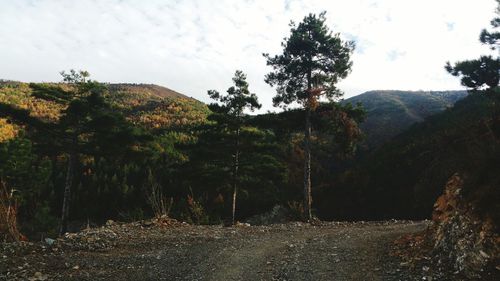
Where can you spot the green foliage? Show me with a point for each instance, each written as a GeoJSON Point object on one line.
{"type": "Point", "coordinates": [88, 132]}
{"type": "Point", "coordinates": [477, 74]}
{"type": "Point", "coordinates": [403, 178]}
{"type": "Point", "coordinates": [237, 100]}
{"type": "Point", "coordinates": [333, 144]}
{"type": "Point", "coordinates": [148, 106]}
{"type": "Point", "coordinates": [389, 113]}
{"type": "Point", "coordinates": [312, 57]}
{"type": "Point", "coordinates": [20, 95]}
{"type": "Point", "coordinates": [124, 141]}
{"type": "Point", "coordinates": [22, 170]}
{"type": "Point", "coordinates": [492, 37]}
{"type": "Point", "coordinates": [43, 221]}
{"type": "Point", "coordinates": [313, 61]}
{"type": "Point", "coordinates": [169, 113]}
{"type": "Point", "coordinates": [132, 215]}
{"type": "Point", "coordinates": [482, 73]}
{"type": "Point", "coordinates": [230, 153]}
{"type": "Point", "coordinates": [29, 178]}
{"type": "Point", "coordinates": [156, 107]}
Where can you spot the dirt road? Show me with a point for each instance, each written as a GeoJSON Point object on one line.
{"type": "Point", "coordinates": [295, 251]}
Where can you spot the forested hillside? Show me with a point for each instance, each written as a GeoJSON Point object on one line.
{"type": "Point", "coordinates": [411, 185]}
{"type": "Point", "coordinates": [389, 113]}
{"type": "Point", "coordinates": [169, 155]}
{"type": "Point", "coordinates": [147, 105]}
{"type": "Point", "coordinates": [33, 166]}
{"type": "Point", "coordinates": [404, 177]}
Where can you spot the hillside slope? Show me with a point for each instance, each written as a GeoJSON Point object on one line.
{"type": "Point", "coordinates": [404, 177]}
{"type": "Point", "coordinates": [391, 112]}
{"type": "Point", "coordinates": [147, 105]}
{"type": "Point", "coordinates": [148, 89]}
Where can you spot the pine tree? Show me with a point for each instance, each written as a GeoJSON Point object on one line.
{"type": "Point", "coordinates": [483, 73]}
{"type": "Point", "coordinates": [313, 61]}
{"type": "Point", "coordinates": [229, 112]}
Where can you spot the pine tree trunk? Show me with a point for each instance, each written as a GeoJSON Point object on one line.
{"type": "Point", "coordinates": [67, 194]}
{"type": "Point", "coordinates": [307, 150]}
{"type": "Point", "coordinates": [53, 173]}
{"type": "Point", "coordinates": [307, 167]}
{"type": "Point", "coordinates": [235, 190]}
{"type": "Point", "coordinates": [235, 174]}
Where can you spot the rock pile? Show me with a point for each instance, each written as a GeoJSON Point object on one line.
{"type": "Point", "coordinates": [460, 237]}
{"type": "Point", "coordinates": [32, 260]}
{"type": "Point", "coordinates": [278, 214]}
{"type": "Point", "coordinates": [459, 244]}
{"type": "Point", "coordinates": [89, 239]}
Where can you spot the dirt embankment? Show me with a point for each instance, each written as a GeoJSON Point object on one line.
{"type": "Point", "coordinates": [293, 251]}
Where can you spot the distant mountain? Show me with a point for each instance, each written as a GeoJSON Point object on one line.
{"type": "Point", "coordinates": [389, 113]}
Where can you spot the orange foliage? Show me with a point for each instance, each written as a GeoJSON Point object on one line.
{"type": "Point", "coordinates": [7, 130]}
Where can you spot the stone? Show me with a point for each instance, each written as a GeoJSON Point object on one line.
{"type": "Point", "coordinates": [483, 254]}
{"type": "Point", "coordinates": [49, 241]}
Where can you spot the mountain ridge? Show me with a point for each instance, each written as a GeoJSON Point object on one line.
{"type": "Point", "coordinates": [148, 105]}
{"type": "Point", "coordinates": [154, 89]}
{"type": "Point", "coordinates": [157, 90]}
{"type": "Point", "coordinates": [390, 112]}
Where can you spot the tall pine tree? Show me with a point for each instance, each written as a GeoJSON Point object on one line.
{"type": "Point", "coordinates": [313, 61]}
{"type": "Point", "coordinates": [229, 112]}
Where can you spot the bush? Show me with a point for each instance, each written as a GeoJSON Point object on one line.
{"type": "Point", "coordinates": [197, 213]}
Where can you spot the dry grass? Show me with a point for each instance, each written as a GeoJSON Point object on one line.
{"type": "Point", "coordinates": [8, 215]}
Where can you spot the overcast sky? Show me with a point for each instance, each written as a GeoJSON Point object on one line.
{"type": "Point", "coordinates": [193, 46]}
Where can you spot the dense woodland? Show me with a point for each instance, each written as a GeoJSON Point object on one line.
{"type": "Point", "coordinates": [81, 152]}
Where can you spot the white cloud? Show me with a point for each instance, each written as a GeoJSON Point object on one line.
{"type": "Point", "coordinates": [193, 46]}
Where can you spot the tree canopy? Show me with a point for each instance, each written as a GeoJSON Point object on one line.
{"type": "Point", "coordinates": [313, 61]}
{"type": "Point", "coordinates": [482, 73]}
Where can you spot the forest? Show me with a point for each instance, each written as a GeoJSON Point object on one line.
{"type": "Point", "coordinates": [79, 152]}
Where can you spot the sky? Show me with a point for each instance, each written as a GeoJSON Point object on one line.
{"type": "Point", "coordinates": [195, 45]}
